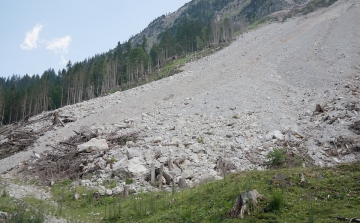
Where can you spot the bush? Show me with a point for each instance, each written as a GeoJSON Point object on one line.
{"type": "Point", "coordinates": [277, 157]}
{"type": "Point", "coordinates": [276, 201]}
{"type": "Point", "coordinates": [200, 140]}
{"type": "Point", "coordinates": [129, 181]}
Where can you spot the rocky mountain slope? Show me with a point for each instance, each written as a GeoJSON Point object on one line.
{"type": "Point", "coordinates": [292, 85]}
{"type": "Point", "coordinates": [241, 12]}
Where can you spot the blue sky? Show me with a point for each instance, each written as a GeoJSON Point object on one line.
{"type": "Point", "coordinates": [36, 35]}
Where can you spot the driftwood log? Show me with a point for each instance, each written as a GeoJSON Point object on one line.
{"type": "Point", "coordinates": [242, 204]}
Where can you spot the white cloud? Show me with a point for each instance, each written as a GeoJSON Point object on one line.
{"type": "Point", "coordinates": [31, 38]}
{"type": "Point", "coordinates": [63, 61]}
{"type": "Point", "coordinates": [60, 45]}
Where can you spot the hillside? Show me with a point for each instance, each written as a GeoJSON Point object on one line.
{"type": "Point", "coordinates": [197, 26]}
{"type": "Point", "coordinates": [241, 13]}
{"type": "Point", "coordinates": [292, 85]}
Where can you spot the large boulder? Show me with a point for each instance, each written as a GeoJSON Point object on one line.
{"type": "Point", "coordinates": [93, 145]}
{"type": "Point", "coordinates": [130, 168]}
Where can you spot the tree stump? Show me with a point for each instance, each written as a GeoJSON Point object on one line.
{"type": "Point", "coordinates": [182, 183]}
{"type": "Point", "coordinates": [242, 204]}
{"type": "Point", "coordinates": [152, 179]}
{"type": "Point", "coordinates": [96, 195]}
{"type": "Point", "coordinates": [170, 164]}
{"type": "Point", "coordinates": [126, 191]}
{"type": "Point", "coordinates": [167, 177]}
{"type": "Point", "coordinates": [160, 175]}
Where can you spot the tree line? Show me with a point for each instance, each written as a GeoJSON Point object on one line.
{"type": "Point", "coordinates": [125, 66]}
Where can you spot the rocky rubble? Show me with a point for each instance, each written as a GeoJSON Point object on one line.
{"type": "Point", "coordinates": [276, 87]}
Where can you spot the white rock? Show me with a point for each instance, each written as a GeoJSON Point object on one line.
{"type": "Point", "coordinates": [131, 153]}
{"type": "Point", "coordinates": [162, 159]}
{"type": "Point", "coordinates": [102, 190]}
{"type": "Point", "coordinates": [269, 136]}
{"type": "Point", "coordinates": [157, 139]}
{"type": "Point", "coordinates": [130, 144]}
{"type": "Point", "coordinates": [278, 135]}
{"type": "Point", "coordinates": [185, 164]}
{"type": "Point", "coordinates": [175, 140]}
{"type": "Point", "coordinates": [187, 174]}
{"type": "Point", "coordinates": [101, 163]}
{"type": "Point", "coordinates": [336, 160]}
{"type": "Point", "coordinates": [130, 168]}
{"type": "Point", "coordinates": [93, 145]}
{"type": "Point", "coordinates": [77, 196]}
{"type": "Point", "coordinates": [196, 148]}
{"type": "Point", "coordinates": [117, 190]}
{"type": "Point", "coordinates": [4, 141]}
{"type": "Point", "coordinates": [194, 158]}
{"type": "Point", "coordinates": [85, 183]}
{"type": "Point", "coordinates": [109, 192]}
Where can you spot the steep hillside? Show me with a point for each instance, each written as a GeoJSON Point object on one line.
{"type": "Point", "coordinates": [240, 12]}
{"type": "Point", "coordinates": [292, 85]}
{"type": "Point", "coordinates": [198, 25]}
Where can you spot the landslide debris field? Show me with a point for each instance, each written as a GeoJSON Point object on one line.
{"type": "Point", "coordinates": [292, 85]}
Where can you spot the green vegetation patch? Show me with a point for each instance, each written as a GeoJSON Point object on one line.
{"type": "Point", "coordinates": [325, 194]}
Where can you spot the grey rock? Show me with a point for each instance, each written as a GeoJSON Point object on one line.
{"type": "Point", "coordinates": [185, 164]}
{"type": "Point", "coordinates": [187, 174]}
{"type": "Point", "coordinates": [109, 192]}
{"type": "Point", "coordinates": [278, 135]}
{"type": "Point", "coordinates": [131, 153]}
{"type": "Point", "coordinates": [196, 148]}
{"type": "Point", "coordinates": [117, 190]}
{"type": "Point", "coordinates": [4, 215]}
{"type": "Point", "coordinates": [267, 145]}
{"type": "Point", "coordinates": [93, 145]}
{"type": "Point", "coordinates": [269, 136]}
{"type": "Point", "coordinates": [86, 183]}
{"type": "Point", "coordinates": [290, 138]}
{"type": "Point", "coordinates": [77, 196]}
{"type": "Point", "coordinates": [163, 159]}
{"type": "Point", "coordinates": [102, 190]}
{"type": "Point", "coordinates": [130, 168]}
{"type": "Point", "coordinates": [4, 141]}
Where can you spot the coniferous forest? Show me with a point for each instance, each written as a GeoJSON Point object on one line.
{"type": "Point", "coordinates": [202, 24]}
{"type": "Point", "coordinates": [123, 67]}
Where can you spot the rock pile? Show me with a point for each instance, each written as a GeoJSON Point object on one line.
{"type": "Point", "coordinates": [292, 85]}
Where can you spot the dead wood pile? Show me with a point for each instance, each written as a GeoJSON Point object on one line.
{"type": "Point", "coordinates": [19, 136]}
{"type": "Point", "coordinates": [65, 161]}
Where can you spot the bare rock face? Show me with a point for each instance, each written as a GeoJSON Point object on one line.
{"type": "Point", "coordinates": [93, 145]}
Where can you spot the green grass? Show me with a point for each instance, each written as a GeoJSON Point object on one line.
{"type": "Point", "coordinates": [28, 210]}
{"type": "Point", "coordinates": [328, 192]}
{"type": "Point", "coordinates": [258, 23]}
